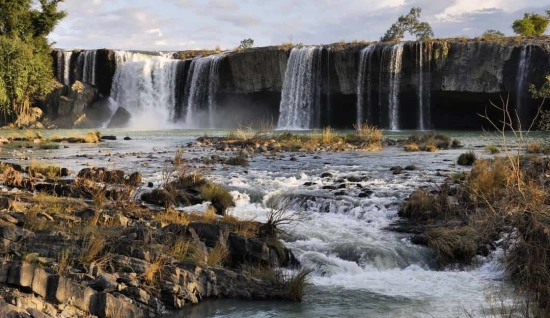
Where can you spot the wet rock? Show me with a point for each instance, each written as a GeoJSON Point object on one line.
{"type": "Point", "coordinates": [329, 188]}
{"type": "Point", "coordinates": [420, 239]}
{"type": "Point", "coordinates": [327, 175]}
{"type": "Point", "coordinates": [366, 194]}
{"type": "Point", "coordinates": [108, 137]}
{"type": "Point", "coordinates": [121, 119]}
{"type": "Point", "coordinates": [411, 168]}
{"type": "Point", "coordinates": [127, 138]}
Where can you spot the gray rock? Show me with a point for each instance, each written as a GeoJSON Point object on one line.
{"type": "Point", "coordinates": [120, 119]}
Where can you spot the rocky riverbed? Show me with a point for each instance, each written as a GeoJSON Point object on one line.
{"type": "Point", "coordinates": [100, 202]}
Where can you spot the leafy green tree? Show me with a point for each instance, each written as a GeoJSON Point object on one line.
{"type": "Point", "coordinates": [246, 44]}
{"type": "Point", "coordinates": [492, 34]}
{"type": "Point", "coordinates": [543, 92]}
{"type": "Point", "coordinates": [409, 23]}
{"type": "Point", "coordinates": [25, 62]}
{"type": "Point", "coordinates": [532, 24]}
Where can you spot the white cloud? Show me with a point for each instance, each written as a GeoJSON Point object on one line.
{"type": "Point", "coordinates": [185, 24]}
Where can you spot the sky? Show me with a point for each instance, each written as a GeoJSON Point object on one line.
{"type": "Point", "coordinates": [169, 25]}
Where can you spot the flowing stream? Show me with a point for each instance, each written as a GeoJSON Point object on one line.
{"type": "Point", "coordinates": [360, 268]}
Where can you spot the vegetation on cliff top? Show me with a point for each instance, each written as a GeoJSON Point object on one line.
{"type": "Point", "coordinates": [408, 23]}
{"type": "Point", "coordinates": [532, 24]}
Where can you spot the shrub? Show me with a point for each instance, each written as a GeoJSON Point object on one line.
{"type": "Point", "coordinates": [456, 144]}
{"type": "Point", "coordinates": [467, 158]}
{"type": "Point", "coordinates": [492, 34]}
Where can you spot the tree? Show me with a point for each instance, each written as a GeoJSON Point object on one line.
{"type": "Point", "coordinates": [492, 34]}
{"type": "Point", "coordinates": [409, 23]}
{"type": "Point", "coordinates": [532, 24]}
{"type": "Point", "coordinates": [25, 62]}
{"type": "Point", "coordinates": [246, 44]}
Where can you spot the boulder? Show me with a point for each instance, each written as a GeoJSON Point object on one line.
{"type": "Point", "coordinates": [120, 119]}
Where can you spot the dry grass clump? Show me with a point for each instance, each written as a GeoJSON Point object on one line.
{"type": "Point", "coordinates": [91, 247]}
{"type": "Point", "coordinates": [293, 283]}
{"type": "Point", "coordinates": [64, 260]}
{"type": "Point", "coordinates": [431, 142]}
{"type": "Point", "coordinates": [172, 216]}
{"type": "Point", "coordinates": [182, 249]}
{"type": "Point", "coordinates": [422, 205]}
{"type": "Point", "coordinates": [413, 147]}
{"type": "Point", "coordinates": [467, 158]}
{"type": "Point", "coordinates": [219, 196]}
{"type": "Point", "coordinates": [488, 181]}
{"type": "Point", "coordinates": [288, 45]}
{"type": "Point", "coordinates": [43, 169]}
{"type": "Point", "coordinates": [492, 149]}
{"type": "Point", "coordinates": [296, 283]}
{"type": "Point", "coordinates": [92, 137]}
{"type": "Point", "coordinates": [453, 244]}
{"type": "Point", "coordinates": [153, 273]}
{"type": "Point", "coordinates": [369, 137]}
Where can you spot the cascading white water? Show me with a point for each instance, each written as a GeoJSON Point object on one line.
{"type": "Point", "coordinates": [394, 84]}
{"type": "Point", "coordinates": [122, 57]}
{"type": "Point", "coordinates": [88, 69]}
{"type": "Point", "coordinates": [200, 93]}
{"type": "Point", "coordinates": [523, 72]}
{"type": "Point", "coordinates": [147, 90]}
{"type": "Point", "coordinates": [213, 86]}
{"type": "Point", "coordinates": [60, 66]}
{"type": "Point", "coordinates": [363, 75]}
{"type": "Point", "coordinates": [300, 103]}
{"type": "Point", "coordinates": [67, 67]}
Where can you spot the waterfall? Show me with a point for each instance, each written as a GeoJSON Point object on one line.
{"type": "Point", "coordinates": [67, 67]}
{"type": "Point", "coordinates": [395, 82]}
{"type": "Point", "coordinates": [122, 57]}
{"type": "Point", "coordinates": [89, 62]}
{"type": "Point", "coordinates": [523, 72]}
{"type": "Point", "coordinates": [300, 103]}
{"type": "Point", "coordinates": [420, 87]}
{"type": "Point", "coordinates": [423, 69]}
{"type": "Point", "coordinates": [213, 85]}
{"type": "Point", "coordinates": [60, 66]}
{"type": "Point", "coordinates": [365, 68]}
{"type": "Point", "coordinates": [201, 87]}
{"type": "Point", "coordinates": [147, 89]}
{"type": "Point", "coordinates": [328, 89]}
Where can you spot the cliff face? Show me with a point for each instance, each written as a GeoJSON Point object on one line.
{"type": "Point", "coordinates": [437, 84]}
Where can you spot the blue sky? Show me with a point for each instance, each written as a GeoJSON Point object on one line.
{"type": "Point", "coordinates": [193, 24]}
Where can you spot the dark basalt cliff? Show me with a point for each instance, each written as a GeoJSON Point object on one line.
{"type": "Point", "coordinates": [458, 80]}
